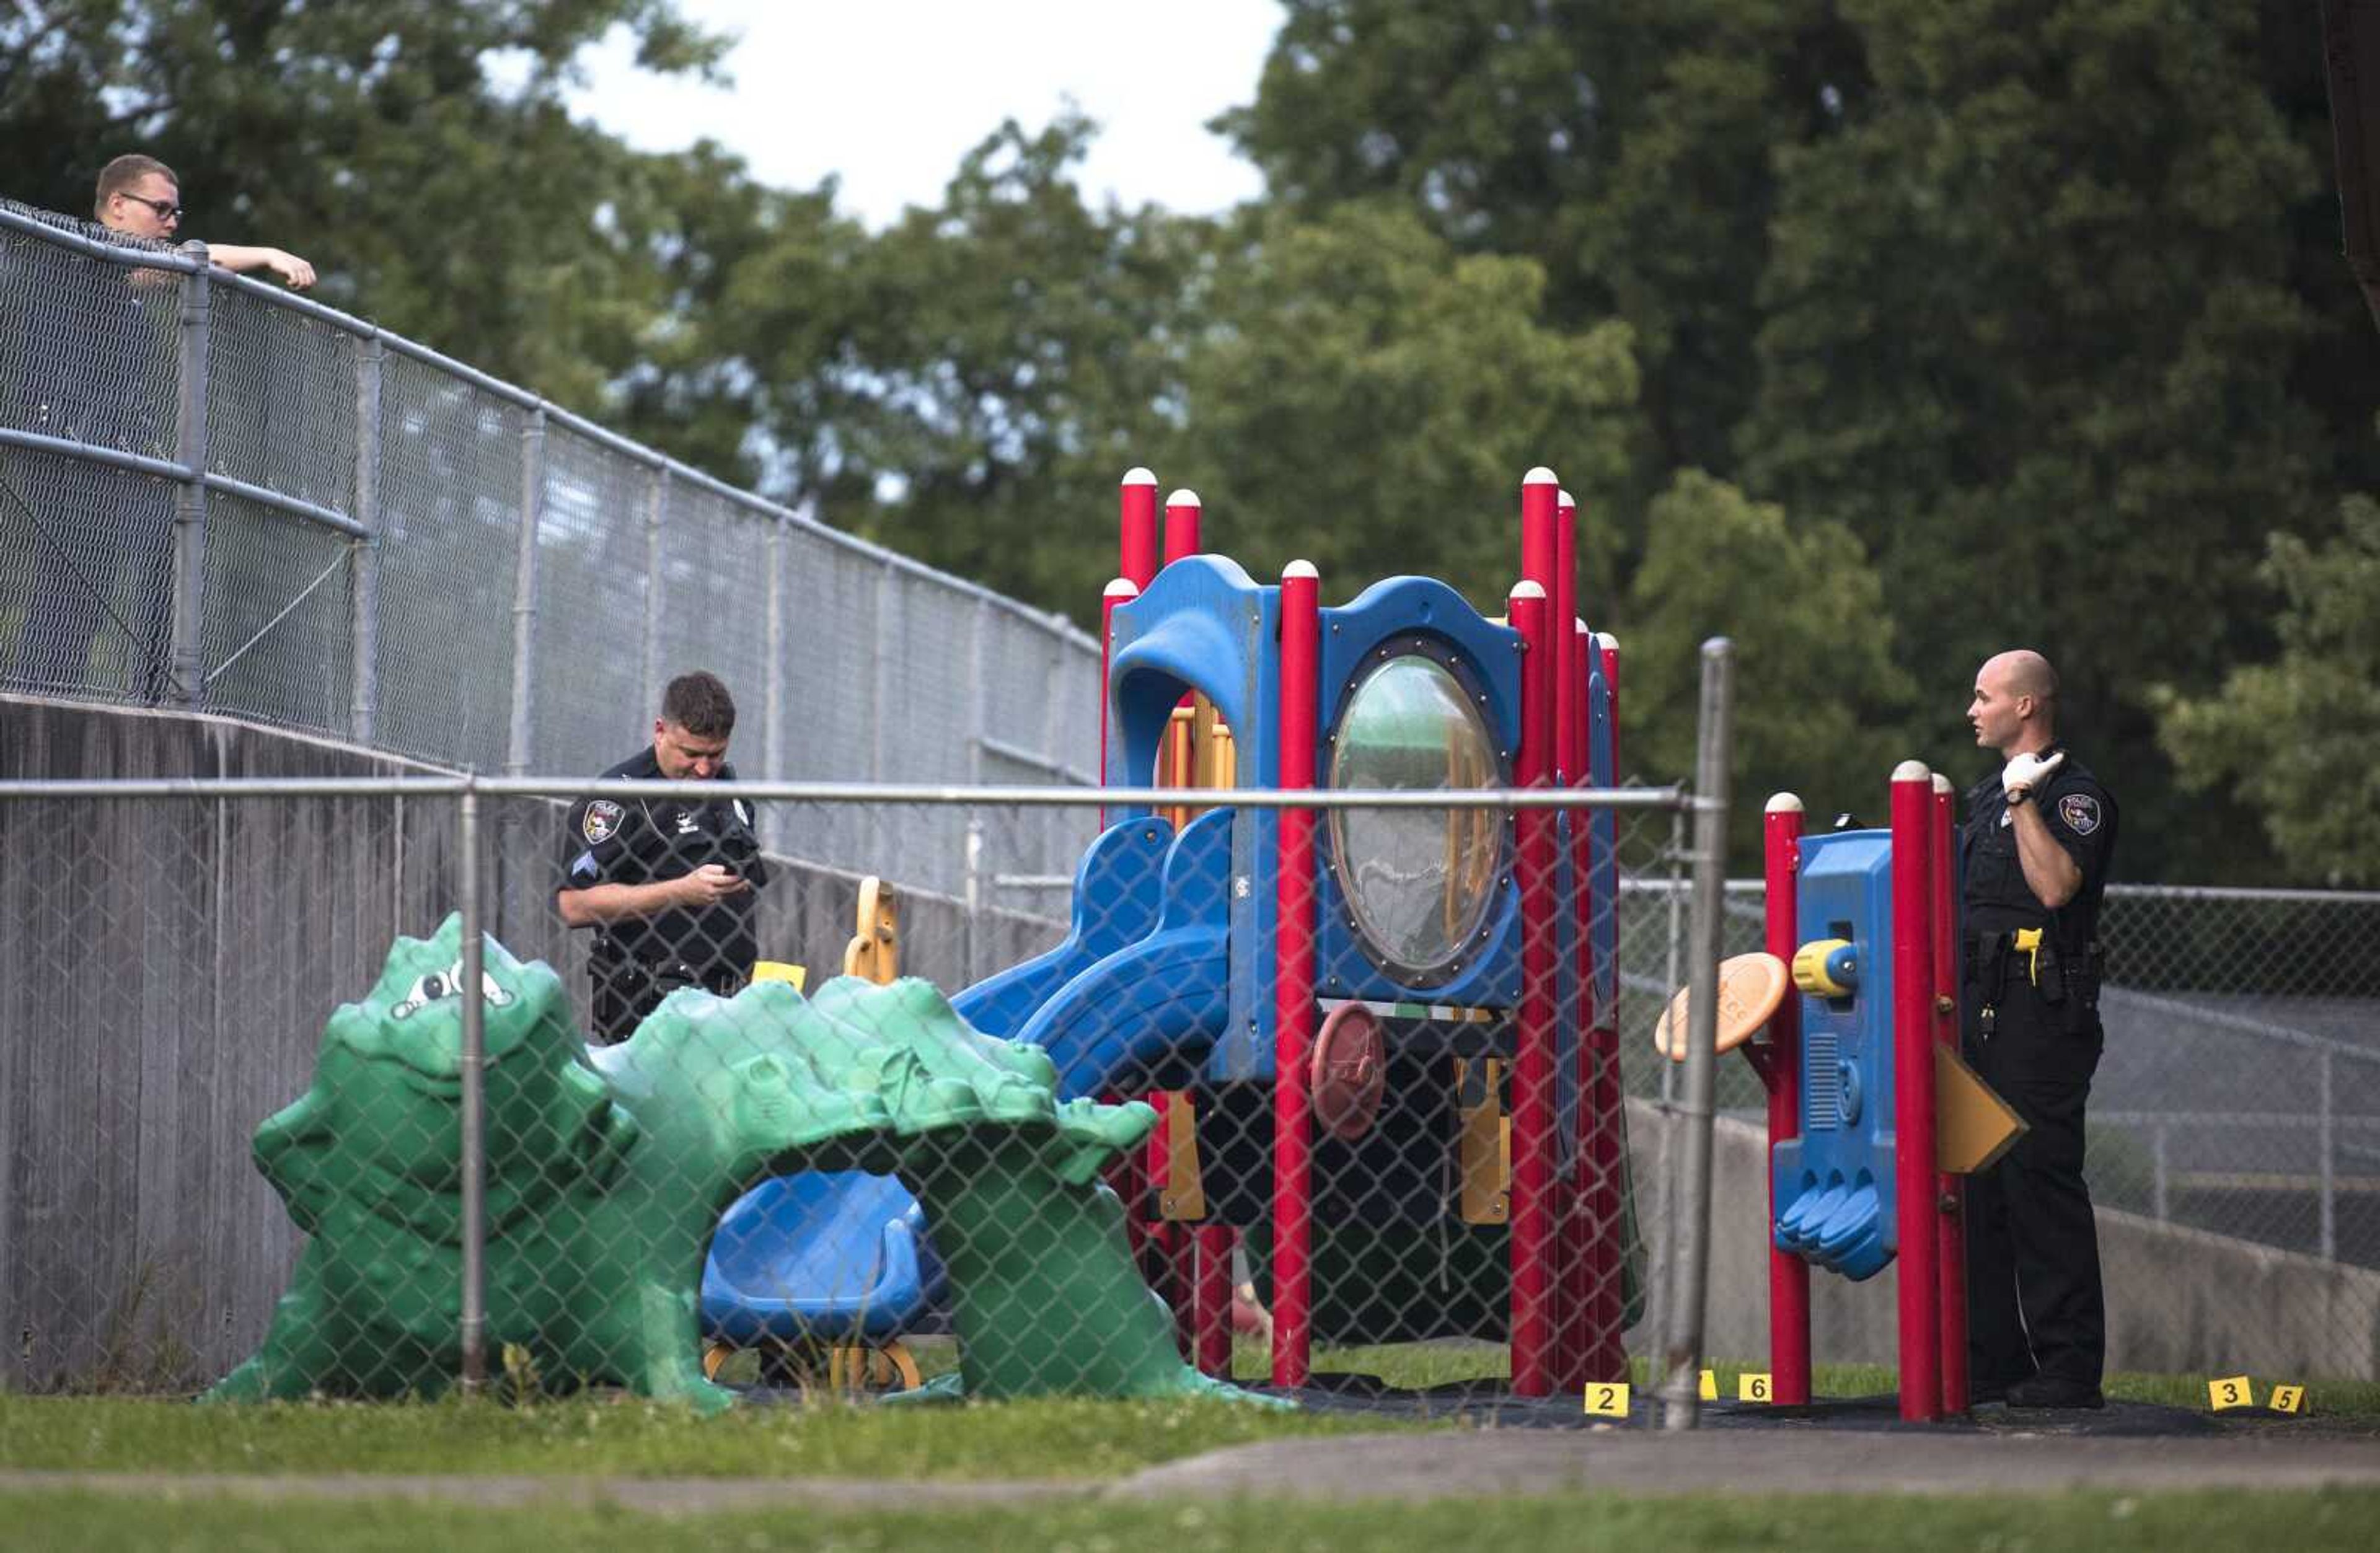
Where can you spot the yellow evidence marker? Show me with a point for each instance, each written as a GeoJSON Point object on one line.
{"type": "Point", "coordinates": [777, 970]}
{"type": "Point", "coordinates": [2234, 1390]}
{"type": "Point", "coordinates": [2288, 1399]}
{"type": "Point", "coordinates": [1608, 1399]}
{"type": "Point", "coordinates": [1708, 1390]}
{"type": "Point", "coordinates": [1752, 1388]}
{"type": "Point", "coordinates": [1750, 987]}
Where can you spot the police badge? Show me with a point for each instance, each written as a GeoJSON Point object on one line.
{"type": "Point", "coordinates": [602, 821]}
{"type": "Point", "coordinates": [2079, 812]}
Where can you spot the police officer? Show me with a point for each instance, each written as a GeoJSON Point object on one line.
{"type": "Point", "coordinates": [667, 885]}
{"type": "Point", "coordinates": [2036, 847]}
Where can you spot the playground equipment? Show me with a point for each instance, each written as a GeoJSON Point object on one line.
{"type": "Point", "coordinates": [1873, 1118]}
{"type": "Point", "coordinates": [603, 1183]}
{"type": "Point", "coordinates": [1461, 961]}
{"type": "Point", "coordinates": [828, 1265]}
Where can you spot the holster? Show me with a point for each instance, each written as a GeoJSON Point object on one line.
{"type": "Point", "coordinates": [2079, 988]}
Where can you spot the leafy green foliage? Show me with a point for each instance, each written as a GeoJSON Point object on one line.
{"type": "Point", "coordinates": [2298, 738]}
{"type": "Point", "coordinates": [1818, 687]}
{"type": "Point", "coordinates": [1361, 394]}
{"type": "Point", "coordinates": [2036, 309]}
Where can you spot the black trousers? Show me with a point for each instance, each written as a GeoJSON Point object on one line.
{"type": "Point", "coordinates": [625, 991]}
{"type": "Point", "coordinates": [2034, 1304]}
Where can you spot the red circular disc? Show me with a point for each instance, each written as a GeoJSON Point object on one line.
{"type": "Point", "coordinates": [1351, 1070]}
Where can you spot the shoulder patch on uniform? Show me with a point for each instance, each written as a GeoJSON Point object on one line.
{"type": "Point", "coordinates": [2079, 812]}
{"type": "Point", "coordinates": [602, 821]}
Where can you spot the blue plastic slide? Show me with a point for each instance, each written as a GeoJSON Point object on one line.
{"type": "Point", "coordinates": [1143, 972]}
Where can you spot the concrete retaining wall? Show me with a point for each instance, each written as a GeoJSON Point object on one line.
{"type": "Point", "coordinates": [2178, 1299]}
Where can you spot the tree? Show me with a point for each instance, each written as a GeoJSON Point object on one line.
{"type": "Point", "coordinates": [474, 216]}
{"type": "Point", "coordinates": [968, 386]}
{"type": "Point", "coordinates": [2028, 326]}
{"type": "Point", "coordinates": [1819, 686]}
{"type": "Point", "coordinates": [1355, 391]}
{"type": "Point", "coordinates": [2297, 739]}
{"type": "Point", "coordinates": [1626, 147]}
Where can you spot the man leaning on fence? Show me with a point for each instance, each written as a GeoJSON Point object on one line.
{"type": "Point", "coordinates": [668, 885]}
{"type": "Point", "coordinates": [2035, 846]}
{"type": "Point", "coordinates": [94, 366]}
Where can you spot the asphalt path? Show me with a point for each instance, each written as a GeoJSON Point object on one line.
{"type": "Point", "coordinates": [2009, 1454]}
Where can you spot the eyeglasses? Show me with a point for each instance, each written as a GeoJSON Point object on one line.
{"type": "Point", "coordinates": [166, 210]}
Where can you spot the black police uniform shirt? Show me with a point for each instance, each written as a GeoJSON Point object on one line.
{"type": "Point", "coordinates": [2080, 817]}
{"type": "Point", "coordinates": [639, 841]}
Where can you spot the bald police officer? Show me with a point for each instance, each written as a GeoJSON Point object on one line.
{"type": "Point", "coordinates": [667, 885]}
{"type": "Point", "coordinates": [2036, 847]}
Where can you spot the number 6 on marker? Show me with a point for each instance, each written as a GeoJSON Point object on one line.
{"type": "Point", "coordinates": [1752, 1388]}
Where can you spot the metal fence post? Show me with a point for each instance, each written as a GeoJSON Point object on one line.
{"type": "Point", "coordinates": [532, 506]}
{"type": "Point", "coordinates": [657, 497]}
{"type": "Point", "coordinates": [2162, 1203]}
{"type": "Point", "coordinates": [363, 555]}
{"type": "Point", "coordinates": [186, 679]}
{"type": "Point", "coordinates": [772, 723]}
{"type": "Point", "coordinates": [474, 1315]}
{"type": "Point", "coordinates": [888, 637]}
{"type": "Point", "coordinates": [1683, 1349]}
{"type": "Point", "coordinates": [2323, 1127]}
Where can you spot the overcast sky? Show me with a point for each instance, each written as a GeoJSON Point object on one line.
{"type": "Point", "coordinates": [889, 94]}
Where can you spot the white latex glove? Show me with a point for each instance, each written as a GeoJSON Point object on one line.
{"type": "Point", "coordinates": [2022, 775]}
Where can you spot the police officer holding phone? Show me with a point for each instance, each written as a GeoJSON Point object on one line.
{"type": "Point", "coordinates": [668, 885]}
{"type": "Point", "coordinates": [2035, 850]}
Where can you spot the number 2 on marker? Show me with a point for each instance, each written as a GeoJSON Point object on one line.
{"type": "Point", "coordinates": [1609, 1399]}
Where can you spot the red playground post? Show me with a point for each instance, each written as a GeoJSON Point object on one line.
{"type": "Point", "coordinates": [1913, 1089]}
{"type": "Point", "coordinates": [1779, 1066]}
{"type": "Point", "coordinates": [1294, 929]}
{"type": "Point", "coordinates": [1950, 1222]}
{"type": "Point", "coordinates": [1533, 1216]}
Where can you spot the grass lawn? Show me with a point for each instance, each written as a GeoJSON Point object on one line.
{"type": "Point", "coordinates": [2104, 1522]}
{"type": "Point", "coordinates": [622, 1436]}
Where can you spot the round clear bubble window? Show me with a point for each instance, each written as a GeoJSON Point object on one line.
{"type": "Point", "coordinates": [1418, 882]}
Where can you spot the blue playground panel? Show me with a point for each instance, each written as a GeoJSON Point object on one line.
{"type": "Point", "coordinates": [1835, 1193]}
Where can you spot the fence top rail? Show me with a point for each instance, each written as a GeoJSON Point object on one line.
{"type": "Point", "coordinates": [189, 261]}
{"type": "Point", "coordinates": [2247, 893]}
{"type": "Point", "coordinates": [1652, 798]}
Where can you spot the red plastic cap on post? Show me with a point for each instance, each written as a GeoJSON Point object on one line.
{"type": "Point", "coordinates": [1183, 510]}
{"type": "Point", "coordinates": [1136, 526]}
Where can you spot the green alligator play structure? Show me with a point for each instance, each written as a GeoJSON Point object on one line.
{"type": "Point", "coordinates": [608, 1170]}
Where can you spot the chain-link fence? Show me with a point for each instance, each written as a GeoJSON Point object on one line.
{"type": "Point", "coordinates": [218, 496]}
{"type": "Point", "coordinates": [223, 1081]}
